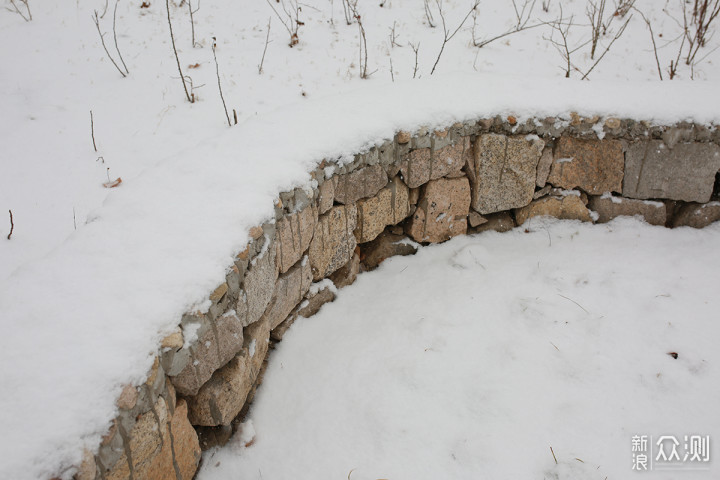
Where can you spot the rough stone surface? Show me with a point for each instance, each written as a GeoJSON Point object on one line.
{"type": "Point", "coordinates": [258, 286]}
{"type": "Point", "coordinates": [570, 207]}
{"type": "Point", "coordinates": [347, 274]}
{"type": "Point", "coordinates": [326, 197]}
{"type": "Point", "coordinates": [607, 208]}
{"type": "Point", "coordinates": [390, 206]}
{"type": "Point", "coordinates": [543, 168]}
{"type": "Point", "coordinates": [596, 166]}
{"type": "Point", "coordinates": [423, 165]}
{"type": "Point", "coordinates": [334, 241]}
{"type": "Point", "coordinates": [386, 245]}
{"type": "Point", "coordinates": [87, 469]}
{"type": "Point", "coordinates": [687, 172]}
{"type": "Point", "coordinates": [697, 215]}
{"type": "Point", "coordinates": [162, 446]}
{"type": "Point", "coordinates": [210, 437]}
{"type": "Point", "coordinates": [294, 233]}
{"type": "Point", "coordinates": [442, 211]}
{"type": "Point", "coordinates": [475, 219]}
{"type": "Point", "coordinates": [403, 137]}
{"type": "Point", "coordinates": [315, 301]}
{"type": "Point", "coordinates": [498, 222]}
{"type": "Point", "coordinates": [361, 183]}
{"type": "Point", "coordinates": [290, 289]}
{"type": "Point", "coordinates": [503, 172]}
{"type": "Point", "coordinates": [128, 398]}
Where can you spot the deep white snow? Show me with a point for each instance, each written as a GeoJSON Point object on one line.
{"type": "Point", "coordinates": [92, 277]}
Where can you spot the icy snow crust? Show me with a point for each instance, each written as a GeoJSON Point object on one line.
{"type": "Point", "coordinates": [471, 359]}
{"type": "Point", "coordinates": [83, 310]}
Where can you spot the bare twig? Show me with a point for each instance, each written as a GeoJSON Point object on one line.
{"type": "Point", "coordinates": [363, 40]}
{"type": "Point", "coordinates": [522, 17]}
{"type": "Point", "coordinates": [172, 40]}
{"type": "Point", "coordinates": [104, 9]}
{"type": "Point", "coordinates": [617, 35]}
{"type": "Point", "coordinates": [96, 21]}
{"type": "Point", "coordinates": [392, 73]}
{"type": "Point", "coordinates": [192, 19]}
{"type": "Point", "coordinates": [652, 38]}
{"type": "Point", "coordinates": [346, 11]}
{"type": "Point", "coordinates": [267, 41]}
{"type": "Point", "coordinates": [115, 39]}
{"type": "Point", "coordinates": [17, 10]}
{"type": "Point", "coordinates": [553, 454]}
{"type": "Point", "coordinates": [562, 47]}
{"type": "Point", "coordinates": [429, 15]}
{"type": "Point", "coordinates": [393, 37]}
{"type": "Point", "coordinates": [576, 303]}
{"type": "Point", "coordinates": [446, 35]}
{"type": "Point", "coordinates": [12, 225]}
{"type": "Point", "coordinates": [293, 23]}
{"type": "Point", "coordinates": [217, 72]}
{"type": "Point", "coordinates": [595, 13]}
{"type": "Point", "coordinates": [505, 34]}
{"type": "Point", "coordinates": [415, 49]}
{"type": "Point", "coordinates": [546, 6]}
{"type": "Point", "coordinates": [92, 130]}
{"type": "Point", "coordinates": [703, 14]}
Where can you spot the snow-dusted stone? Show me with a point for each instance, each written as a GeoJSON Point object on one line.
{"type": "Point", "coordinates": [569, 207]}
{"type": "Point", "coordinates": [294, 233]}
{"type": "Point", "coordinates": [442, 211]}
{"type": "Point", "coordinates": [503, 171]}
{"type": "Point", "coordinates": [498, 222]}
{"type": "Point", "coordinates": [224, 395]}
{"type": "Point", "coordinates": [258, 286]}
{"type": "Point", "coordinates": [390, 206]}
{"type": "Point", "coordinates": [543, 168]}
{"type": "Point", "coordinates": [403, 137]}
{"type": "Point", "coordinates": [290, 289]}
{"type": "Point", "coordinates": [608, 207]}
{"type": "Point", "coordinates": [386, 245]}
{"type": "Point", "coordinates": [697, 215]}
{"type": "Point", "coordinates": [596, 166]}
{"type": "Point", "coordinates": [217, 343]}
{"type": "Point", "coordinates": [687, 172]}
{"type": "Point", "coordinates": [362, 183]}
{"type": "Point", "coordinates": [161, 446]}
{"type": "Point", "coordinates": [347, 274]}
{"type": "Point", "coordinates": [326, 197]}
{"type": "Point", "coordinates": [424, 164]}
{"type": "Point", "coordinates": [334, 241]}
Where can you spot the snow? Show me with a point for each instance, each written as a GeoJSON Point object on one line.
{"type": "Point", "coordinates": [93, 278]}
{"type": "Point", "coordinates": [474, 357]}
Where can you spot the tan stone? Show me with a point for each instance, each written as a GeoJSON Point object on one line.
{"type": "Point", "coordinates": [347, 274]}
{"type": "Point", "coordinates": [403, 137]}
{"type": "Point", "coordinates": [229, 328]}
{"type": "Point", "coordinates": [390, 206]}
{"type": "Point", "coordinates": [503, 171]}
{"type": "Point", "coordinates": [608, 207]}
{"type": "Point", "coordinates": [697, 215]}
{"type": "Point", "coordinates": [258, 286]}
{"type": "Point", "coordinates": [184, 442]}
{"type": "Point", "coordinates": [128, 398]}
{"type": "Point", "coordinates": [289, 291]}
{"type": "Point", "coordinates": [361, 183]}
{"type": "Point", "coordinates": [294, 233]}
{"type": "Point", "coordinates": [223, 396]}
{"type": "Point", "coordinates": [612, 123]}
{"type": "Point", "coordinates": [334, 241]}
{"type": "Point", "coordinates": [256, 232]}
{"type": "Point", "coordinates": [315, 301]}
{"type": "Point", "coordinates": [570, 207]}
{"type": "Point", "coordinates": [543, 168]}
{"type": "Point", "coordinates": [595, 166]}
{"type": "Point", "coordinates": [173, 341]}
{"type": "Point", "coordinates": [326, 196]}
{"type": "Point", "coordinates": [386, 245]}
{"type": "Point", "coordinates": [442, 211]}
{"type": "Point", "coordinates": [475, 219]}
{"type": "Point", "coordinates": [498, 222]}
{"type": "Point", "coordinates": [219, 293]}
{"type": "Point", "coordinates": [423, 164]}
{"type": "Point", "coordinates": [87, 469]}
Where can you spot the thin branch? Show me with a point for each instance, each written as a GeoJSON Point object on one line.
{"type": "Point", "coordinates": [17, 10]}
{"type": "Point", "coordinates": [415, 48]}
{"type": "Point", "coordinates": [217, 72]}
{"type": "Point", "coordinates": [267, 41]}
{"type": "Point", "coordinates": [509, 32]}
{"type": "Point", "coordinates": [429, 15]}
{"type": "Point", "coordinates": [652, 37]}
{"type": "Point", "coordinates": [115, 38]}
{"type": "Point", "coordinates": [96, 20]}
{"type": "Point", "coordinates": [192, 19]}
{"type": "Point", "coordinates": [448, 37]}
{"type": "Point", "coordinates": [92, 130]}
{"type": "Point", "coordinates": [12, 225]}
{"type": "Point", "coordinates": [172, 40]}
{"type": "Point", "coordinates": [617, 35]}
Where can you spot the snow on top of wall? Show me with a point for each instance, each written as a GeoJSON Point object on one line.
{"type": "Point", "coordinates": [87, 318]}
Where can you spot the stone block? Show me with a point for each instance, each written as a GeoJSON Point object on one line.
{"type": "Point", "coordinates": [503, 171]}
{"type": "Point", "coordinates": [361, 183]}
{"type": "Point", "coordinates": [543, 168]}
{"type": "Point", "coordinates": [290, 289]}
{"type": "Point", "coordinates": [326, 197]}
{"type": "Point", "coordinates": [498, 222]}
{"type": "Point", "coordinates": [595, 166]}
{"type": "Point", "coordinates": [442, 211]}
{"type": "Point", "coordinates": [185, 444]}
{"type": "Point", "coordinates": [294, 233]}
{"type": "Point", "coordinates": [386, 245]}
{"type": "Point", "coordinates": [425, 164]}
{"type": "Point", "coordinates": [258, 286]}
{"type": "Point", "coordinates": [223, 396]}
{"type": "Point", "coordinates": [608, 207]}
{"type": "Point", "coordinates": [334, 241]}
{"type": "Point", "coordinates": [390, 206]}
{"type": "Point", "coordinates": [347, 274]}
{"type": "Point", "coordinates": [697, 215]}
{"type": "Point", "coordinates": [687, 172]}
{"type": "Point", "coordinates": [570, 207]}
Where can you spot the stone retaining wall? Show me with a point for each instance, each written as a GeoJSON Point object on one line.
{"type": "Point", "coordinates": [425, 187]}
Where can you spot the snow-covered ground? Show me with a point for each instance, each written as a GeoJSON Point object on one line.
{"type": "Point", "coordinates": [473, 358]}
{"type": "Point", "coordinates": [93, 277]}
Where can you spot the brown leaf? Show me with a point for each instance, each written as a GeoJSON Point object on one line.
{"type": "Point", "coordinates": [145, 5]}
{"type": "Point", "coordinates": [113, 184]}
{"type": "Point", "coordinates": [197, 65]}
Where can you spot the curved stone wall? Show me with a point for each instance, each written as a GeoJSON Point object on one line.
{"type": "Point", "coordinates": [424, 187]}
